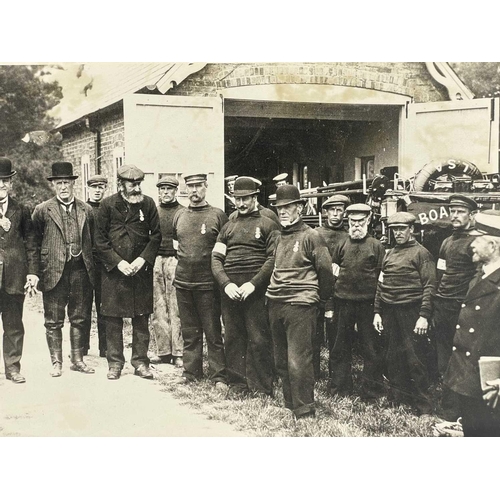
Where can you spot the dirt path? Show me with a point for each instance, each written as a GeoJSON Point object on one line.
{"type": "Point", "coordinates": [83, 405]}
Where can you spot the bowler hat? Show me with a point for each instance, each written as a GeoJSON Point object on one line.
{"type": "Point", "coordinates": [462, 201]}
{"type": "Point", "coordinates": [195, 178]}
{"type": "Point", "coordinates": [401, 219]}
{"type": "Point", "coordinates": [287, 194]}
{"type": "Point", "coordinates": [6, 169]}
{"type": "Point", "coordinates": [97, 179]}
{"type": "Point", "coordinates": [130, 173]}
{"type": "Point", "coordinates": [358, 211]}
{"type": "Point", "coordinates": [487, 222]}
{"type": "Point", "coordinates": [169, 181]}
{"type": "Point", "coordinates": [245, 186]}
{"type": "Point", "coordinates": [336, 199]}
{"type": "Point", "coordinates": [62, 170]}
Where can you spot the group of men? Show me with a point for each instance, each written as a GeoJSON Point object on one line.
{"type": "Point", "coordinates": [268, 278]}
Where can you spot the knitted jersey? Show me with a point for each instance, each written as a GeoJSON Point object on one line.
{"type": "Point", "coordinates": [245, 246]}
{"type": "Point", "coordinates": [332, 235]}
{"type": "Point", "coordinates": [408, 275]}
{"type": "Point", "coordinates": [166, 212]}
{"type": "Point", "coordinates": [194, 233]}
{"type": "Point", "coordinates": [302, 271]}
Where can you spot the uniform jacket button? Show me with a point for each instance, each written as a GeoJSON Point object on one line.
{"type": "Point", "coordinates": [467, 353]}
{"type": "Point", "coordinates": [471, 330]}
{"type": "Point", "coordinates": [477, 308]}
{"type": "Point", "coordinates": [454, 348]}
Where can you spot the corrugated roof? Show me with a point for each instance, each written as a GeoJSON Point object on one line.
{"type": "Point", "coordinates": [108, 83]}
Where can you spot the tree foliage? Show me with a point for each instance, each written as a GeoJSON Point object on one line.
{"type": "Point", "coordinates": [483, 78]}
{"type": "Point", "coordinates": [25, 99]}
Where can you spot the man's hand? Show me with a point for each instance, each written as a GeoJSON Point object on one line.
{"type": "Point", "coordinates": [125, 268]}
{"type": "Point", "coordinates": [246, 289]}
{"type": "Point", "coordinates": [377, 323]}
{"type": "Point", "coordinates": [137, 264]}
{"type": "Point", "coordinates": [490, 394]}
{"type": "Point", "coordinates": [421, 326]}
{"type": "Point", "coordinates": [232, 291]}
{"type": "Point", "coordinates": [30, 288]}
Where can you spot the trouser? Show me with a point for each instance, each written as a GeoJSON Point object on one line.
{"type": "Point", "coordinates": [11, 307]}
{"type": "Point", "coordinates": [318, 342]}
{"type": "Point", "coordinates": [445, 319]}
{"type": "Point", "coordinates": [347, 314]}
{"type": "Point", "coordinates": [165, 319]}
{"type": "Point", "coordinates": [140, 341]}
{"type": "Point", "coordinates": [199, 311]}
{"type": "Point", "coordinates": [478, 420]}
{"type": "Point", "coordinates": [101, 323]}
{"type": "Point", "coordinates": [74, 291]}
{"type": "Point", "coordinates": [293, 327]}
{"type": "Point", "coordinates": [406, 356]}
{"type": "Point", "coordinates": [247, 343]}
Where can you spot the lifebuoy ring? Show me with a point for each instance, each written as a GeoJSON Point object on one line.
{"type": "Point", "coordinates": [436, 168]}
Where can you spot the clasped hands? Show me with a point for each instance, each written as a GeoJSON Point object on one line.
{"type": "Point", "coordinates": [239, 293]}
{"type": "Point", "coordinates": [30, 288]}
{"type": "Point", "coordinates": [129, 269]}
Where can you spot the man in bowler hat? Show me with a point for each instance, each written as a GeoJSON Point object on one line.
{"type": "Point", "coordinates": [127, 239]}
{"type": "Point", "coordinates": [63, 230]}
{"type": "Point", "coordinates": [96, 187]}
{"type": "Point", "coordinates": [18, 271]}
{"type": "Point", "coordinates": [302, 277]}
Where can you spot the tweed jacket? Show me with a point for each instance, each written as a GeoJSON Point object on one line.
{"type": "Point", "coordinates": [17, 249]}
{"type": "Point", "coordinates": [51, 245]}
{"type": "Point", "coordinates": [477, 334]}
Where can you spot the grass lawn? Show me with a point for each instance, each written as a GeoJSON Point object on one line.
{"type": "Point", "coordinates": [266, 416]}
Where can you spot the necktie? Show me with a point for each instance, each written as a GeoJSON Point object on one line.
{"type": "Point", "coordinates": [66, 206]}
{"type": "Point", "coordinates": [2, 207]}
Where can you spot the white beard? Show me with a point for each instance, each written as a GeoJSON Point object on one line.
{"type": "Point", "coordinates": [358, 232]}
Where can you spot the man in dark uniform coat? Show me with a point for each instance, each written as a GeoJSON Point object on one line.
{"type": "Point", "coordinates": [455, 270]}
{"type": "Point", "coordinates": [96, 188]}
{"type": "Point", "coordinates": [63, 230]}
{"type": "Point", "coordinates": [477, 333]}
{"type": "Point", "coordinates": [242, 263]}
{"type": "Point", "coordinates": [127, 239]}
{"type": "Point", "coordinates": [18, 271]}
{"type": "Point", "coordinates": [301, 278]}
{"type": "Point", "coordinates": [332, 231]}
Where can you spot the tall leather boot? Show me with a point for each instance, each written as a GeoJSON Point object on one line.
{"type": "Point", "coordinates": [78, 365]}
{"type": "Point", "coordinates": [54, 341]}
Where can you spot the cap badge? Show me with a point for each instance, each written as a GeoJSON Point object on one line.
{"type": "Point", "coordinates": [258, 234]}
{"type": "Point", "coordinates": [203, 228]}
{"type": "Point", "coordinates": [296, 246]}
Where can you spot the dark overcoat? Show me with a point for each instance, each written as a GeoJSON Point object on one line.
{"type": "Point", "coordinates": [51, 244]}
{"type": "Point", "coordinates": [477, 334]}
{"type": "Point", "coordinates": [124, 232]}
{"type": "Point", "coordinates": [18, 249]}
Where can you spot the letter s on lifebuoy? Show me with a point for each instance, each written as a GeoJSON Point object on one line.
{"type": "Point", "coordinates": [436, 168]}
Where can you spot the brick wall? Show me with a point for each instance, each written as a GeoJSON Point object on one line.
{"type": "Point", "coordinates": [405, 78]}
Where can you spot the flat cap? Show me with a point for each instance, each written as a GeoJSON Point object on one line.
{"type": "Point", "coordinates": [169, 181]}
{"type": "Point", "coordinates": [130, 173]}
{"type": "Point", "coordinates": [97, 179]}
{"type": "Point", "coordinates": [280, 177]}
{"type": "Point", "coordinates": [336, 199]}
{"type": "Point", "coordinates": [487, 222]}
{"type": "Point", "coordinates": [230, 178]}
{"type": "Point", "coordinates": [245, 186]}
{"type": "Point", "coordinates": [358, 211]}
{"type": "Point", "coordinates": [462, 201]}
{"type": "Point", "coordinates": [401, 219]}
{"type": "Point", "coordinates": [195, 178]}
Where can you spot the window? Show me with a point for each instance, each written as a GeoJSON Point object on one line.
{"type": "Point", "coordinates": [118, 160]}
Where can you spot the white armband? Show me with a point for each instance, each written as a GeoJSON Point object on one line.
{"type": "Point", "coordinates": [381, 277]}
{"type": "Point", "coordinates": [176, 245]}
{"type": "Point", "coordinates": [335, 269]}
{"type": "Point", "coordinates": [220, 248]}
{"type": "Point", "coordinates": [441, 264]}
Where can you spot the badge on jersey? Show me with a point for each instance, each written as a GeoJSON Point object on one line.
{"type": "Point", "coordinates": [296, 246]}
{"type": "Point", "coordinates": [141, 215]}
{"type": "Point", "coordinates": [258, 234]}
{"type": "Point", "coordinates": [203, 228]}
{"type": "Point", "coordinates": [441, 265]}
